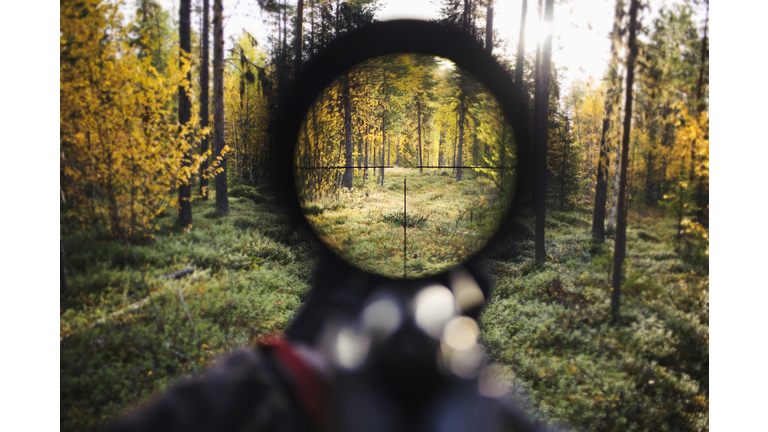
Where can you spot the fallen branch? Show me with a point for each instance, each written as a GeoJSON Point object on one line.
{"type": "Point", "coordinates": [140, 303]}
{"type": "Point", "coordinates": [178, 274]}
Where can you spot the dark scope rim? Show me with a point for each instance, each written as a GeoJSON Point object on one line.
{"type": "Point", "coordinates": [392, 37]}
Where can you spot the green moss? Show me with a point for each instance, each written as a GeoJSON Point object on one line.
{"type": "Point", "coordinates": [251, 276]}
{"type": "Point", "coordinates": [549, 326]}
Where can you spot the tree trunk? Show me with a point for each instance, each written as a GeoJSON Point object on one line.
{"type": "Point", "coordinates": [365, 160]}
{"type": "Point", "coordinates": [542, 112]}
{"type": "Point", "coordinates": [397, 152]}
{"type": "Point", "coordinates": [185, 115]}
{"type": "Point", "coordinates": [460, 146]}
{"type": "Point", "coordinates": [601, 188]}
{"type": "Point", "coordinates": [285, 33]}
{"type": "Point", "coordinates": [418, 114]}
{"type": "Point", "coordinates": [615, 196]}
{"type": "Point", "coordinates": [348, 170]}
{"type": "Point", "coordinates": [222, 197]}
{"type": "Point", "coordinates": [440, 145]}
{"type": "Point", "coordinates": [63, 275]}
{"type": "Point", "coordinates": [521, 49]}
{"type": "Point", "coordinates": [562, 172]}
{"type": "Point", "coordinates": [620, 247]}
{"type": "Point", "coordinates": [381, 171]}
{"type": "Point", "coordinates": [489, 28]}
{"type": "Point", "coordinates": [700, 209]}
{"type": "Point", "coordinates": [298, 42]}
{"type": "Point", "coordinates": [383, 131]}
{"type": "Point", "coordinates": [204, 83]}
{"type": "Point", "coordinates": [536, 101]}
{"type": "Point", "coordinates": [389, 152]}
{"type": "Point", "coordinates": [311, 27]}
{"type": "Point", "coordinates": [359, 154]}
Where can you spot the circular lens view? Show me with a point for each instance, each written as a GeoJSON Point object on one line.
{"type": "Point", "coordinates": [405, 165]}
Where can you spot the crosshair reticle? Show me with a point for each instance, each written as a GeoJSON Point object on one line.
{"type": "Point", "coordinates": [405, 165]}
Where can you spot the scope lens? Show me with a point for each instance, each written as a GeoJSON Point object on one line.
{"type": "Point", "coordinates": [405, 165]}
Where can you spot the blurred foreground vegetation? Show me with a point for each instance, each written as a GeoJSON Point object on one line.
{"type": "Point", "coordinates": [548, 325]}
{"type": "Point", "coordinates": [118, 348]}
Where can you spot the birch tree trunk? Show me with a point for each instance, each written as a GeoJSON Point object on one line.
{"type": "Point", "coordinates": [601, 188]}
{"type": "Point", "coordinates": [620, 248]}
{"type": "Point", "coordinates": [614, 198]}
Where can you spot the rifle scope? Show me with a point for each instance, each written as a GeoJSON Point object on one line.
{"type": "Point", "coordinates": [403, 148]}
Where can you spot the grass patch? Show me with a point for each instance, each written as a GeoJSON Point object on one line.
{"type": "Point", "coordinates": [251, 276]}
{"type": "Point", "coordinates": [548, 326]}
{"type": "Point", "coordinates": [450, 220]}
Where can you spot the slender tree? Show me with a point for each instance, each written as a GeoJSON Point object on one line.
{"type": "Point", "coordinates": [489, 28]}
{"type": "Point", "coordinates": [541, 132]}
{"type": "Point", "coordinates": [418, 116]}
{"type": "Point", "coordinates": [620, 247]}
{"type": "Point", "coordinates": [204, 82]}
{"type": "Point", "coordinates": [700, 105]}
{"type": "Point", "coordinates": [566, 144]}
{"type": "Point", "coordinates": [601, 188]}
{"type": "Point", "coordinates": [521, 48]}
{"type": "Point", "coordinates": [62, 274]}
{"type": "Point", "coordinates": [460, 139]}
{"type": "Point", "coordinates": [536, 101]}
{"type": "Point", "coordinates": [615, 195]}
{"type": "Point", "coordinates": [185, 114]}
{"type": "Point", "coordinates": [298, 38]}
{"type": "Point", "coordinates": [383, 129]}
{"type": "Point", "coordinates": [349, 169]}
{"type": "Point", "coordinates": [222, 196]}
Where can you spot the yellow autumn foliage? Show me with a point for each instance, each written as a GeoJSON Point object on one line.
{"type": "Point", "coordinates": [691, 137]}
{"type": "Point", "coordinates": [121, 146]}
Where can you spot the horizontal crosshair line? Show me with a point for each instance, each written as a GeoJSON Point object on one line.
{"type": "Point", "coordinates": [425, 166]}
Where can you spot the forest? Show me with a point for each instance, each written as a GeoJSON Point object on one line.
{"type": "Point", "coordinates": [408, 117]}
{"type": "Point", "coordinates": [175, 248]}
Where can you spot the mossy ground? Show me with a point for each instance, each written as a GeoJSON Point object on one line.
{"type": "Point", "coordinates": [251, 276]}
{"type": "Point", "coordinates": [547, 325]}
{"type": "Point", "coordinates": [447, 220]}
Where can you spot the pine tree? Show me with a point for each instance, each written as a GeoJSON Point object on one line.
{"type": "Point", "coordinates": [185, 114]}
{"type": "Point", "coordinates": [204, 99]}
{"type": "Point", "coordinates": [541, 134]}
{"type": "Point", "coordinates": [521, 49]}
{"type": "Point", "coordinates": [222, 197]}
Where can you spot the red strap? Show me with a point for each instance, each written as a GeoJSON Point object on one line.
{"type": "Point", "coordinates": [311, 389]}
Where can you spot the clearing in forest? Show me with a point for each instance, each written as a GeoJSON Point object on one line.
{"type": "Point", "coordinates": [418, 223]}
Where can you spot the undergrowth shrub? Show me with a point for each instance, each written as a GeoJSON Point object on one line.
{"type": "Point", "coordinates": [120, 346]}
{"type": "Point", "coordinates": [549, 326]}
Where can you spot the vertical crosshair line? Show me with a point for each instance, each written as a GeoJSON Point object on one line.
{"type": "Point", "coordinates": [405, 226]}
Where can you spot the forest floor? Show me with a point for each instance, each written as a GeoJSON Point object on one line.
{"type": "Point", "coordinates": [446, 220]}
{"type": "Point", "coordinates": [547, 325]}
